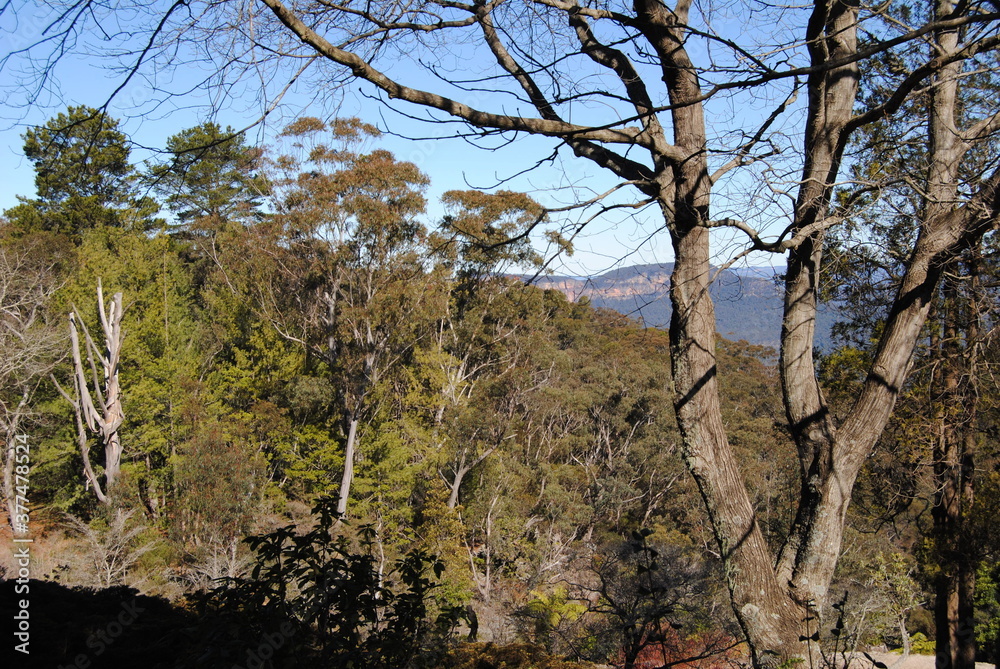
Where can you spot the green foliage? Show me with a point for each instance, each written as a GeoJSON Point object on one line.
{"type": "Point", "coordinates": [988, 609]}
{"type": "Point", "coordinates": [550, 612]}
{"type": "Point", "coordinates": [899, 594]}
{"type": "Point", "coordinates": [210, 177]}
{"type": "Point", "coordinates": [80, 153]}
{"type": "Point", "coordinates": [921, 645]}
{"type": "Point", "coordinates": [442, 533]}
{"type": "Point", "coordinates": [83, 177]}
{"type": "Point", "coordinates": [220, 485]}
{"type": "Point", "coordinates": [488, 232]}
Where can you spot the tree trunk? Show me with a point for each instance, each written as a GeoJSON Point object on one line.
{"type": "Point", "coordinates": [104, 415]}
{"type": "Point", "coordinates": [807, 560]}
{"type": "Point", "coordinates": [455, 485]}
{"type": "Point", "coordinates": [953, 386]}
{"type": "Point", "coordinates": [772, 619]}
{"type": "Point", "coordinates": [348, 477]}
{"type": "Point", "coordinates": [461, 470]}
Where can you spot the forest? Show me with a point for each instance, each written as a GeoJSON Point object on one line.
{"type": "Point", "coordinates": [262, 407]}
{"type": "Point", "coordinates": [209, 350]}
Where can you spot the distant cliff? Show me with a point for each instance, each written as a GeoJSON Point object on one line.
{"type": "Point", "coordinates": [748, 301]}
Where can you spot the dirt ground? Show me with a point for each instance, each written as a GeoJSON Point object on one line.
{"type": "Point", "coordinates": [894, 661]}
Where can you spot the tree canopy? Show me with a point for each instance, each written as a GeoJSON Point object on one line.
{"type": "Point", "coordinates": [83, 176]}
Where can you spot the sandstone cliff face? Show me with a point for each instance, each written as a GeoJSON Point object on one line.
{"type": "Point", "coordinates": [748, 301]}
{"type": "Point", "coordinates": [640, 281]}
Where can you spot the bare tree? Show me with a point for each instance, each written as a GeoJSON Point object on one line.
{"type": "Point", "coordinates": [96, 400]}
{"type": "Point", "coordinates": [29, 346]}
{"type": "Point", "coordinates": [646, 92]}
{"type": "Point", "coordinates": [114, 549]}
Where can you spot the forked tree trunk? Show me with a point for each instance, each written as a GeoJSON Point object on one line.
{"type": "Point", "coordinates": [97, 402]}
{"type": "Point", "coordinates": [771, 619]}
{"type": "Point", "coordinates": [772, 615]}
{"type": "Point", "coordinates": [462, 469]}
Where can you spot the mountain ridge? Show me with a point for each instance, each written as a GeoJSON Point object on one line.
{"type": "Point", "coordinates": [748, 300]}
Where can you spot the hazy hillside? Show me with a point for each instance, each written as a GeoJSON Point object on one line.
{"type": "Point", "coordinates": [747, 300]}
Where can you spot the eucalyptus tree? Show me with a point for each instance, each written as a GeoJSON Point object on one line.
{"type": "Point", "coordinates": [479, 339]}
{"type": "Point", "coordinates": [340, 266]}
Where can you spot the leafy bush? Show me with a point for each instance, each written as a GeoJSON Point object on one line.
{"type": "Point", "coordinates": [921, 645]}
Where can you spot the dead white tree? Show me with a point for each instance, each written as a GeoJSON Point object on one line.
{"type": "Point", "coordinates": [97, 402]}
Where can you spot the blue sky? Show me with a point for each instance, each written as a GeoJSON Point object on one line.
{"type": "Point", "coordinates": [451, 164]}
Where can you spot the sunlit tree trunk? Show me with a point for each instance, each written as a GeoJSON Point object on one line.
{"type": "Point", "coordinates": [97, 402]}
{"type": "Point", "coordinates": [347, 478]}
